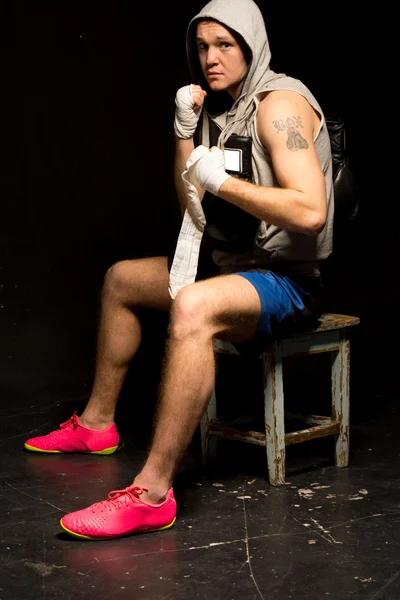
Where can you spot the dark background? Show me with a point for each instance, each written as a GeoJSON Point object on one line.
{"type": "Point", "coordinates": [86, 179]}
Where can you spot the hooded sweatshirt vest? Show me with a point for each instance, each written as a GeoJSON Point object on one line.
{"type": "Point", "coordinates": [272, 245]}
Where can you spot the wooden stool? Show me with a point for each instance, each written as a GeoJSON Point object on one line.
{"type": "Point", "coordinates": [331, 335]}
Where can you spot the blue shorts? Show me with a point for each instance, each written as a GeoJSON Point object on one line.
{"type": "Point", "coordinates": [287, 303]}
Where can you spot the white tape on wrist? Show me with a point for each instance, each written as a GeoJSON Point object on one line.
{"type": "Point", "coordinates": [215, 180]}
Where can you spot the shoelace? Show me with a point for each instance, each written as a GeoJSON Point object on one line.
{"type": "Point", "coordinates": [117, 498]}
{"type": "Point", "coordinates": [72, 421]}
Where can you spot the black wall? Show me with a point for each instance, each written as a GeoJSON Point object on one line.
{"type": "Point", "coordinates": [86, 175]}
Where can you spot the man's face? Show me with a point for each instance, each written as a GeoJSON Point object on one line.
{"type": "Point", "coordinates": [221, 58]}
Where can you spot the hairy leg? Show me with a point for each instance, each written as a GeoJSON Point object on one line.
{"type": "Point", "coordinates": [128, 285]}
{"type": "Point", "coordinates": [227, 305]}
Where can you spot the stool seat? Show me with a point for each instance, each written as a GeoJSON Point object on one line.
{"type": "Point", "coordinates": [332, 321]}
{"type": "Point", "coordinates": [331, 334]}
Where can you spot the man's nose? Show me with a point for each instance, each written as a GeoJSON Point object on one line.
{"type": "Point", "coordinates": [212, 56]}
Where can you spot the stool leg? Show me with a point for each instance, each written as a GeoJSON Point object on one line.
{"type": "Point", "coordinates": [209, 441]}
{"type": "Point", "coordinates": [274, 414]}
{"type": "Point", "coordinates": [341, 398]}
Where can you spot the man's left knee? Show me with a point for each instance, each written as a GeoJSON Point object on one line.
{"type": "Point", "coordinates": [191, 312]}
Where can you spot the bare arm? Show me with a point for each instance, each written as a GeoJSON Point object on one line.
{"type": "Point", "coordinates": [286, 125]}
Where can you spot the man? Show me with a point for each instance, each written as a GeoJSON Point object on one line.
{"type": "Point", "coordinates": [265, 284]}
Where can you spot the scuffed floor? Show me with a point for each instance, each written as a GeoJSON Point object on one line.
{"type": "Point", "coordinates": [328, 533]}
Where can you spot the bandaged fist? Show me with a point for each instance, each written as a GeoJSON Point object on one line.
{"type": "Point", "coordinates": [206, 168]}
{"type": "Point", "coordinates": [188, 105]}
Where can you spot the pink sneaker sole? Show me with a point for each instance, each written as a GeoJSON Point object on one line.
{"type": "Point", "coordinates": [87, 537]}
{"type": "Point", "coordinates": [105, 451]}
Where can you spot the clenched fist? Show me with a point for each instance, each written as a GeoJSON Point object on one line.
{"type": "Point", "coordinates": [206, 168]}
{"type": "Point", "coordinates": [188, 105]}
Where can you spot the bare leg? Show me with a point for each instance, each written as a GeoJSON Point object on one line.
{"type": "Point", "coordinates": [128, 284]}
{"type": "Point", "coordinates": [227, 305]}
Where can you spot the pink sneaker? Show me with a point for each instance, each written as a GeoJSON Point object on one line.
{"type": "Point", "coordinates": [74, 437]}
{"type": "Point", "coordinates": [123, 513]}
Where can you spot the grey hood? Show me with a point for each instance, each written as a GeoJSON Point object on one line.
{"type": "Point", "coordinates": [245, 18]}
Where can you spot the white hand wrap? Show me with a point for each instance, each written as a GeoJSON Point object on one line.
{"type": "Point", "coordinates": [207, 169]}
{"type": "Point", "coordinates": [186, 118]}
{"type": "Point", "coordinates": [184, 266]}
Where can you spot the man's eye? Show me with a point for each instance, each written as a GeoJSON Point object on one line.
{"type": "Point", "coordinates": [225, 44]}
{"type": "Point", "coordinates": [202, 47]}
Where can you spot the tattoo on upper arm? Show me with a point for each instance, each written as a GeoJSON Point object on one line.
{"type": "Point", "coordinates": [295, 140]}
